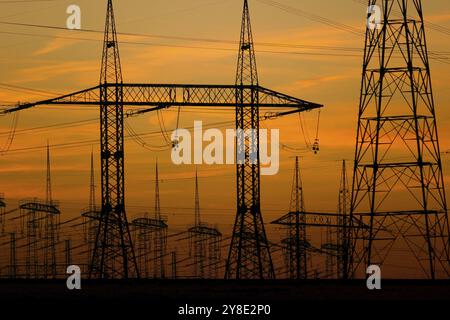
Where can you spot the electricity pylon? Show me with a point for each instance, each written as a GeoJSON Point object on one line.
{"type": "Point", "coordinates": [343, 222]}
{"type": "Point", "coordinates": [113, 255]}
{"type": "Point", "coordinates": [160, 235]}
{"type": "Point", "coordinates": [91, 215]}
{"type": "Point", "coordinates": [249, 255]}
{"type": "Point", "coordinates": [204, 243]}
{"type": "Point", "coordinates": [398, 185]}
{"type": "Point", "coordinates": [296, 245]}
{"type": "Point", "coordinates": [151, 239]}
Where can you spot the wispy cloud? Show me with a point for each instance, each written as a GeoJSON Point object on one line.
{"type": "Point", "coordinates": [50, 71]}
{"type": "Point", "coordinates": [55, 45]}
{"type": "Point", "coordinates": [318, 81]}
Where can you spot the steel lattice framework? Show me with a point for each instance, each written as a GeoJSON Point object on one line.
{"type": "Point", "coordinates": [249, 256]}
{"type": "Point", "coordinates": [398, 187]}
{"type": "Point", "coordinates": [183, 95]}
{"type": "Point", "coordinates": [113, 250]}
{"type": "Point", "coordinates": [151, 239]}
{"type": "Point", "coordinates": [296, 244]}
{"type": "Point", "coordinates": [151, 243]}
{"type": "Point", "coordinates": [114, 255]}
{"type": "Point", "coordinates": [40, 222]}
{"type": "Point", "coordinates": [204, 243]}
{"type": "Point", "coordinates": [343, 231]}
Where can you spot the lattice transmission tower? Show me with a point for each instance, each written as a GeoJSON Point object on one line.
{"type": "Point", "coordinates": [249, 255]}
{"type": "Point", "coordinates": [204, 244]}
{"type": "Point", "coordinates": [151, 239]}
{"type": "Point", "coordinates": [343, 231]}
{"type": "Point", "coordinates": [113, 255]}
{"type": "Point", "coordinates": [91, 216]}
{"type": "Point", "coordinates": [296, 245]}
{"type": "Point", "coordinates": [398, 190]}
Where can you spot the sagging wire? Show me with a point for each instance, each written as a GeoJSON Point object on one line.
{"type": "Point", "coordinates": [284, 146]}
{"type": "Point", "coordinates": [163, 129]}
{"type": "Point", "coordinates": [141, 142]}
{"type": "Point", "coordinates": [304, 132]}
{"type": "Point", "coordinates": [11, 135]}
{"type": "Point", "coordinates": [315, 147]}
{"type": "Point", "coordinates": [164, 133]}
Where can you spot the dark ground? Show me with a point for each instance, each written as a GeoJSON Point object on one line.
{"type": "Point", "coordinates": [164, 297]}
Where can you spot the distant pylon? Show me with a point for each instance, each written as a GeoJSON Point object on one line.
{"type": "Point", "coordinates": [68, 251]}
{"type": "Point", "coordinates": [160, 235]}
{"type": "Point", "coordinates": [330, 259]}
{"type": "Point", "coordinates": [295, 245]}
{"type": "Point", "coordinates": [91, 215]}
{"type": "Point", "coordinates": [199, 249]}
{"type": "Point", "coordinates": [249, 254]}
{"type": "Point", "coordinates": [343, 230]}
{"type": "Point", "coordinates": [92, 206]}
{"type": "Point", "coordinates": [113, 255]}
{"type": "Point", "coordinates": [297, 234]}
{"type": "Point", "coordinates": [12, 256]}
{"type": "Point", "coordinates": [48, 188]}
{"type": "Point", "coordinates": [204, 243]}
{"type": "Point", "coordinates": [174, 264]}
{"type": "Point", "coordinates": [151, 239]}
{"type": "Point", "coordinates": [51, 226]}
{"type": "Point", "coordinates": [398, 186]}
{"type": "Point", "coordinates": [197, 201]}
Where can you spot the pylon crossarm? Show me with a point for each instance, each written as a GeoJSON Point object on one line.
{"type": "Point", "coordinates": [195, 95]}
{"type": "Point", "coordinates": [161, 96]}
{"type": "Point", "coordinates": [305, 246]}
{"type": "Point", "coordinates": [89, 96]}
{"type": "Point", "coordinates": [269, 97]}
{"type": "Point", "coordinates": [314, 219]}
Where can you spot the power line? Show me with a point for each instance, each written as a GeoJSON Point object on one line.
{"type": "Point", "coordinates": [199, 47]}
{"type": "Point", "coordinates": [47, 127]}
{"type": "Point", "coordinates": [24, 1]}
{"type": "Point", "coordinates": [83, 143]}
{"type": "Point", "coordinates": [347, 28]}
{"type": "Point", "coordinates": [430, 25]}
{"type": "Point", "coordinates": [313, 17]}
{"type": "Point", "coordinates": [25, 89]}
{"type": "Point", "coordinates": [207, 40]}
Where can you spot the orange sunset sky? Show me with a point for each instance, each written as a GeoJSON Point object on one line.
{"type": "Point", "coordinates": [305, 58]}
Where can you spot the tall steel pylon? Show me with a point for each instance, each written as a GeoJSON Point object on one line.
{"type": "Point", "coordinates": [92, 201]}
{"type": "Point", "coordinates": [295, 245]}
{"type": "Point", "coordinates": [343, 222]}
{"type": "Point", "coordinates": [151, 239]}
{"type": "Point", "coordinates": [48, 188]}
{"type": "Point", "coordinates": [204, 243]}
{"type": "Point", "coordinates": [398, 187]}
{"type": "Point", "coordinates": [113, 255]}
{"type": "Point", "coordinates": [91, 215]}
{"type": "Point", "coordinates": [160, 235]}
{"type": "Point", "coordinates": [297, 234]}
{"type": "Point", "coordinates": [51, 226]}
{"type": "Point", "coordinates": [197, 242]}
{"type": "Point", "coordinates": [249, 254]}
